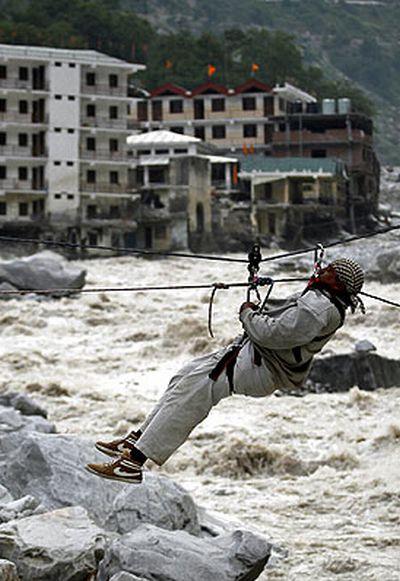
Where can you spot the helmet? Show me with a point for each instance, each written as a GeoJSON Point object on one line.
{"type": "Point", "coordinates": [350, 273]}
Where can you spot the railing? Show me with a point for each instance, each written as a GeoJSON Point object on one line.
{"type": "Point", "coordinates": [15, 83]}
{"type": "Point", "coordinates": [17, 151]}
{"type": "Point", "coordinates": [330, 136]}
{"type": "Point", "coordinates": [22, 186]}
{"type": "Point", "coordinates": [24, 119]}
{"type": "Point", "coordinates": [104, 187]}
{"type": "Point", "coordinates": [107, 217]}
{"type": "Point", "coordinates": [104, 154]}
{"type": "Point", "coordinates": [105, 90]}
{"type": "Point", "coordinates": [104, 122]}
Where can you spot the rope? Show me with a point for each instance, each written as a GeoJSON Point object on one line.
{"type": "Point", "coordinates": [381, 299]}
{"type": "Point", "coordinates": [120, 250]}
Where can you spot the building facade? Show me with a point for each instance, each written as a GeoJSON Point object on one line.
{"type": "Point", "coordinates": [231, 119]}
{"type": "Point", "coordinates": [63, 157]}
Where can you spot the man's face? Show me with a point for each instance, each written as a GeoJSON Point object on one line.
{"type": "Point", "coordinates": [328, 276]}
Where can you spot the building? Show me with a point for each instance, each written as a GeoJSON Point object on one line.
{"type": "Point", "coordinates": [177, 178]}
{"type": "Point", "coordinates": [294, 199]}
{"type": "Point", "coordinates": [231, 119]}
{"type": "Point", "coordinates": [63, 159]}
{"type": "Point", "coordinates": [335, 132]}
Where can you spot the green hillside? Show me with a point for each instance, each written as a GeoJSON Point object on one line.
{"type": "Point", "coordinates": [358, 41]}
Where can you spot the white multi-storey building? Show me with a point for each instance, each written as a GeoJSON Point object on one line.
{"type": "Point", "coordinates": [63, 129]}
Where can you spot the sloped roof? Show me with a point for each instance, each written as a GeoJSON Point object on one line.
{"type": "Point", "coordinates": [262, 164]}
{"type": "Point", "coordinates": [161, 137]}
{"type": "Point", "coordinates": [210, 88]}
{"type": "Point", "coordinates": [73, 55]}
{"type": "Point", "coordinates": [253, 86]}
{"type": "Point", "coordinates": [169, 89]}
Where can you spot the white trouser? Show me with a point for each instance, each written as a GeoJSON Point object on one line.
{"type": "Point", "coordinates": [190, 396]}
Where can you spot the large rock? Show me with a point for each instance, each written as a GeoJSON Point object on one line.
{"type": "Point", "coordinates": [367, 370]}
{"type": "Point", "coordinates": [51, 468]}
{"type": "Point", "coordinates": [22, 403]}
{"type": "Point", "coordinates": [20, 508]}
{"type": "Point", "coordinates": [60, 545]}
{"type": "Point", "coordinates": [159, 555]}
{"type": "Point", "coordinates": [8, 571]}
{"type": "Point", "coordinates": [45, 270]}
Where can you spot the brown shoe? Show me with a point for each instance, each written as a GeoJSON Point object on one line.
{"type": "Point", "coordinates": [118, 447]}
{"type": "Point", "coordinates": [123, 469]}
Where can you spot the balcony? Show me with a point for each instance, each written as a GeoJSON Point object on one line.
{"type": "Point", "coordinates": [100, 122]}
{"type": "Point", "coordinates": [20, 152]}
{"type": "Point", "coordinates": [105, 188]}
{"type": "Point", "coordinates": [14, 83]}
{"type": "Point", "coordinates": [109, 219]}
{"type": "Point", "coordinates": [27, 119]}
{"type": "Point", "coordinates": [104, 155]}
{"type": "Point", "coordinates": [14, 185]}
{"type": "Point", "coordinates": [104, 90]}
{"type": "Point", "coordinates": [330, 137]}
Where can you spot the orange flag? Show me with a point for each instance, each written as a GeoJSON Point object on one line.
{"type": "Point", "coordinates": [255, 67]}
{"type": "Point", "coordinates": [211, 70]}
{"type": "Point", "coordinates": [251, 149]}
{"type": "Point", "coordinates": [244, 148]}
{"type": "Point", "coordinates": [168, 64]}
{"type": "Point", "coordinates": [235, 175]}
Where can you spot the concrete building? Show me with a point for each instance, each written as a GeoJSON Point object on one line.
{"type": "Point", "coordinates": [178, 177]}
{"type": "Point", "coordinates": [63, 160]}
{"type": "Point", "coordinates": [295, 198]}
{"type": "Point", "coordinates": [231, 119]}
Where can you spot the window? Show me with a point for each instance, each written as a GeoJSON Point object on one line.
{"type": "Point", "coordinates": [180, 150]}
{"type": "Point", "coordinates": [91, 144]}
{"type": "Point", "coordinates": [3, 138]}
{"type": "Point", "coordinates": [318, 153]}
{"type": "Point", "coordinates": [23, 209]}
{"type": "Point", "coordinates": [144, 152]}
{"type": "Point", "coordinates": [3, 172]}
{"type": "Point", "coordinates": [92, 238]}
{"type": "Point", "coordinates": [162, 151]}
{"type": "Point", "coordinates": [218, 105]}
{"type": "Point", "coordinates": [71, 130]}
{"type": "Point", "coordinates": [3, 105]}
{"type": "Point", "coordinates": [91, 79]}
{"type": "Point", "coordinates": [113, 112]}
{"type": "Point", "coordinates": [57, 162]}
{"type": "Point", "coordinates": [23, 107]}
{"type": "Point", "coordinates": [57, 129]}
{"type": "Point", "coordinates": [58, 64]}
{"type": "Point", "coordinates": [71, 98]}
{"type": "Point", "coordinates": [57, 196]}
{"type": "Point", "coordinates": [91, 110]}
{"type": "Point", "coordinates": [91, 176]}
{"type": "Point", "coordinates": [91, 211]}
{"type": "Point", "coordinates": [23, 73]}
{"type": "Point", "coordinates": [115, 212]}
{"type": "Point", "coordinates": [178, 130]}
{"type": "Point", "coordinates": [58, 97]}
{"type": "Point", "coordinates": [3, 209]}
{"type": "Point", "coordinates": [250, 130]}
{"type": "Point", "coordinates": [113, 80]}
{"type": "Point", "coordinates": [70, 163]}
{"type": "Point", "coordinates": [114, 145]}
{"type": "Point", "coordinates": [200, 132]}
{"type": "Point", "coordinates": [176, 106]}
{"type": "Point", "coordinates": [156, 175]}
{"type": "Point", "coordinates": [114, 177]}
{"type": "Point", "coordinates": [23, 173]}
{"type": "Point", "coordinates": [72, 65]}
{"type": "Point", "coordinates": [249, 103]}
{"type": "Point", "coordinates": [160, 232]}
{"type": "Point", "coordinates": [23, 139]}
{"type": "Point", "coordinates": [219, 132]}
{"type": "Point", "coordinates": [70, 196]}
{"type": "Point", "coordinates": [3, 72]}
{"type": "Point", "coordinates": [142, 111]}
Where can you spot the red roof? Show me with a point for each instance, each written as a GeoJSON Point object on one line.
{"type": "Point", "coordinates": [168, 89]}
{"type": "Point", "coordinates": [209, 88]}
{"type": "Point", "coordinates": [253, 86]}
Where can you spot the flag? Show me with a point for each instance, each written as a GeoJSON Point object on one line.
{"type": "Point", "coordinates": [255, 67]}
{"type": "Point", "coordinates": [235, 175]}
{"type": "Point", "coordinates": [244, 148]}
{"type": "Point", "coordinates": [168, 64]}
{"type": "Point", "coordinates": [211, 70]}
{"type": "Point", "coordinates": [251, 149]}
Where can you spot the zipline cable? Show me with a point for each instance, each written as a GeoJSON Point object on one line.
{"type": "Point", "coordinates": [381, 299]}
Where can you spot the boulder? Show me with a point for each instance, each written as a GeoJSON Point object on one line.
{"type": "Point", "coordinates": [13, 427]}
{"type": "Point", "coordinates": [154, 553]}
{"type": "Point", "coordinates": [5, 496]}
{"type": "Point", "coordinates": [124, 576]}
{"type": "Point", "coordinates": [51, 468]}
{"type": "Point", "coordinates": [44, 270]}
{"type": "Point", "coordinates": [8, 571]}
{"type": "Point", "coordinates": [366, 369]}
{"type": "Point", "coordinates": [63, 544]}
{"type": "Point", "coordinates": [20, 508]}
{"type": "Point", "coordinates": [22, 403]}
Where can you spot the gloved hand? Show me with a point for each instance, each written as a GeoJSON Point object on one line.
{"type": "Point", "coordinates": [248, 305]}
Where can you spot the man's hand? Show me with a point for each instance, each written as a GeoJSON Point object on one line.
{"type": "Point", "coordinates": [248, 305]}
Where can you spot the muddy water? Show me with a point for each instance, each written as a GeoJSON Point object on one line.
{"type": "Point", "coordinates": [319, 475]}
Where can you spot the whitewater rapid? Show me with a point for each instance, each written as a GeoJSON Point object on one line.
{"type": "Point", "coordinates": [318, 475]}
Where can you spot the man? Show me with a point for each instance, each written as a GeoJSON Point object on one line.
{"type": "Point", "coordinates": [276, 352]}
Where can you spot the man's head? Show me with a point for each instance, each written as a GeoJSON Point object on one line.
{"type": "Point", "coordinates": [349, 274]}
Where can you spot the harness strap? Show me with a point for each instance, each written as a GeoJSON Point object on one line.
{"type": "Point", "coordinates": [226, 363]}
